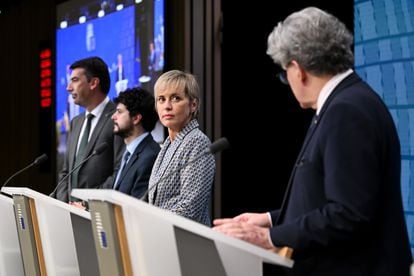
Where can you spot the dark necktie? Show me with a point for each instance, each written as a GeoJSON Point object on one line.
{"type": "Point", "coordinates": [80, 156]}
{"type": "Point", "coordinates": [124, 162]}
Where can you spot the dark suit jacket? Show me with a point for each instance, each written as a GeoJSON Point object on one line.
{"type": "Point", "coordinates": [98, 170]}
{"type": "Point", "coordinates": [343, 213]}
{"type": "Point", "coordinates": [135, 176]}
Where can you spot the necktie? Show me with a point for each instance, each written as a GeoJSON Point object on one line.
{"type": "Point", "coordinates": [124, 162]}
{"type": "Point", "coordinates": [80, 156]}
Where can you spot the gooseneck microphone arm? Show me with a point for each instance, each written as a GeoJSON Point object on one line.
{"type": "Point", "coordinates": [218, 145]}
{"type": "Point", "coordinates": [101, 148]}
{"type": "Point", "coordinates": [37, 161]}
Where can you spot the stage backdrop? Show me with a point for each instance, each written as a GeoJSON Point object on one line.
{"type": "Point", "coordinates": [384, 57]}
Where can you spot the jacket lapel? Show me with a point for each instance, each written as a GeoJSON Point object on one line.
{"type": "Point", "coordinates": [76, 129]}
{"type": "Point", "coordinates": [134, 157]}
{"type": "Point", "coordinates": [350, 80]}
{"type": "Point", "coordinates": [99, 127]}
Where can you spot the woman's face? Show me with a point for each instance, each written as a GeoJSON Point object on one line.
{"type": "Point", "coordinates": [174, 108]}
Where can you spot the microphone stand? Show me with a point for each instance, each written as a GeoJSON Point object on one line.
{"type": "Point", "coordinates": [98, 151]}
{"type": "Point", "coordinates": [215, 147]}
{"type": "Point", "coordinates": [37, 161]}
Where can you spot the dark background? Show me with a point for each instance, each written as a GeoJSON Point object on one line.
{"type": "Point", "coordinates": [259, 115]}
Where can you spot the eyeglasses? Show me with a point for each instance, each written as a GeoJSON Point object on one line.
{"type": "Point", "coordinates": [283, 77]}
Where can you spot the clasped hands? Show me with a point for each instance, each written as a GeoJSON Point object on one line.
{"type": "Point", "coordinates": [250, 227]}
{"type": "Point", "coordinates": [79, 204]}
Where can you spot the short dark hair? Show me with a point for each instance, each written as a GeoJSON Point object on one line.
{"type": "Point", "coordinates": [138, 100]}
{"type": "Point", "coordinates": [95, 67]}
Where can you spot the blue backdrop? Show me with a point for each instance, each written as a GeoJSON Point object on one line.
{"type": "Point", "coordinates": [384, 57]}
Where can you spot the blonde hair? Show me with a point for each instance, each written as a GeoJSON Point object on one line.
{"type": "Point", "coordinates": [180, 80]}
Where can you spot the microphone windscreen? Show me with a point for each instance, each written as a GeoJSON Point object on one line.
{"type": "Point", "coordinates": [42, 158]}
{"type": "Point", "coordinates": [101, 148]}
{"type": "Point", "coordinates": [219, 145]}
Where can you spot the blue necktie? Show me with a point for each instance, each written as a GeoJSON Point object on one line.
{"type": "Point", "coordinates": [124, 162]}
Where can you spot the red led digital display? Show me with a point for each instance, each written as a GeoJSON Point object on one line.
{"type": "Point", "coordinates": [45, 67]}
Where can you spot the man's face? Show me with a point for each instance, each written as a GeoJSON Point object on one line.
{"type": "Point", "coordinates": [79, 87]}
{"type": "Point", "coordinates": [123, 124]}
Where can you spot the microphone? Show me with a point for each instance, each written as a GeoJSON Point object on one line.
{"type": "Point", "coordinates": [99, 149]}
{"type": "Point", "coordinates": [39, 160]}
{"type": "Point", "coordinates": [217, 146]}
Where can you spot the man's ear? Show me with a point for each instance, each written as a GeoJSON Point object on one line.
{"type": "Point", "coordinates": [93, 84]}
{"type": "Point", "coordinates": [136, 119]}
{"type": "Point", "coordinates": [299, 72]}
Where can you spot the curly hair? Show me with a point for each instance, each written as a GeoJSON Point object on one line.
{"type": "Point", "coordinates": [139, 101]}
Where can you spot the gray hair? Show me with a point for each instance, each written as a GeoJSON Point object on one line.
{"type": "Point", "coordinates": [317, 40]}
{"type": "Point", "coordinates": [179, 80]}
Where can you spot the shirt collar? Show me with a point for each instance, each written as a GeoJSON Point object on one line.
{"type": "Point", "coordinates": [134, 144]}
{"type": "Point", "coordinates": [98, 110]}
{"type": "Point", "coordinates": [329, 87]}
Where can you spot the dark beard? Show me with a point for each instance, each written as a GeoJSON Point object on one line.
{"type": "Point", "coordinates": [124, 133]}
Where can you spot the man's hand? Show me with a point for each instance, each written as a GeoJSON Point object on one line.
{"type": "Point", "coordinates": [78, 204]}
{"type": "Point", "coordinates": [246, 231]}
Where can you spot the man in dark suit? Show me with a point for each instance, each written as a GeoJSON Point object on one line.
{"type": "Point", "coordinates": [342, 213]}
{"type": "Point", "coordinates": [89, 86]}
{"type": "Point", "coordinates": [134, 119]}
